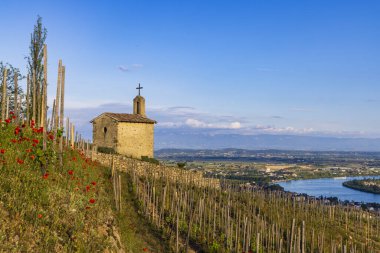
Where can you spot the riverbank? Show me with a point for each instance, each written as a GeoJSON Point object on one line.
{"type": "Point", "coordinates": [364, 185]}
{"type": "Point", "coordinates": [331, 187]}
{"type": "Point", "coordinates": [314, 177]}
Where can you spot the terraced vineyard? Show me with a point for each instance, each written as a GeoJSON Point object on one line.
{"type": "Point", "coordinates": [234, 219]}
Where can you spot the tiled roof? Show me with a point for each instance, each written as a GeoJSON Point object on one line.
{"type": "Point", "coordinates": [126, 117]}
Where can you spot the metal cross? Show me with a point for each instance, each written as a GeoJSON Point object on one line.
{"type": "Point", "coordinates": [139, 88]}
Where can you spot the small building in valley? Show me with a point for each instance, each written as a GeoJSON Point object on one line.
{"type": "Point", "coordinates": [127, 134]}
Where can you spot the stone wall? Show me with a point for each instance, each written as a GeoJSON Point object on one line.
{"type": "Point", "coordinates": [104, 132]}
{"type": "Point", "coordinates": [139, 167]}
{"type": "Point", "coordinates": [135, 139]}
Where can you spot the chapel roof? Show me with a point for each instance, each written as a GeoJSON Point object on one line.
{"type": "Point", "coordinates": [126, 117]}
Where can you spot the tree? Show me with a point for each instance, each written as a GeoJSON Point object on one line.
{"type": "Point", "coordinates": [12, 72]}
{"type": "Point", "coordinates": [36, 68]}
{"type": "Point", "coordinates": [181, 165]}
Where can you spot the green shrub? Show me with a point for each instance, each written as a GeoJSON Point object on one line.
{"type": "Point", "coordinates": [150, 160]}
{"type": "Point", "coordinates": [181, 165]}
{"type": "Point", "coordinates": [106, 150]}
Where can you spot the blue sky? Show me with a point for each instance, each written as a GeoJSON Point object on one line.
{"type": "Point", "coordinates": [249, 67]}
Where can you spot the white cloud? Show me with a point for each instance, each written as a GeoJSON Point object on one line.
{"type": "Point", "coordinates": [279, 130]}
{"type": "Point", "coordinates": [235, 125]}
{"type": "Point", "coordinates": [128, 68]}
{"type": "Point", "coordinates": [169, 124]}
{"type": "Point", "coordinates": [123, 68]}
{"type": "Point", "coordinates": [289, 130]}
{"type": "Point", "coordinates": [196, 123]}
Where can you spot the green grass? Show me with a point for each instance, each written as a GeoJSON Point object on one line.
{"type": "Point", "coordinates": [136, 232]}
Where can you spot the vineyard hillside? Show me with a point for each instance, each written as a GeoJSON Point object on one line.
{"type": "Point", "coordinates": [46, 207]}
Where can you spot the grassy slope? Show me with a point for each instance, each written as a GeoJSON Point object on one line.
{"type": "Point", "coordinates": [137, 233]}
{"type": "Point", "coordinates": [68, 209]}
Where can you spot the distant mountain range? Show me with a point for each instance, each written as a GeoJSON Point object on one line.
{"type": "Point", "coordinates": [169, 138]}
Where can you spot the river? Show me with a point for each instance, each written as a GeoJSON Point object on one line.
{"type": "Point", "coordinates": [330, 187]}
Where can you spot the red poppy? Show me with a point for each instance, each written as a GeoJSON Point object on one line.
{"type": "Point", "coordinates": [39, 216]}
{"type": "Point", "coordinates": [35, 141]}
{"type": "Point", "coordinates": [19, 161]}
{"type": "Point", "coordinates": [17, 130]}
{"type": "Point", "coordinates": [87, 207]}
{"type": "Point", "coordinates": [14, 140]}
{"type": "Point", "coordinates": [93, 183]}
{"type": "Point", "coordinates": [71, 172]}
{"type": "Point", "coordinates": [23, 125]}
{"type": "Point", "coordinates": [11, 113]}
{"type": "Point", "coordinates": [145, 249]}
{"type": "Point", "coordinates": [32, 157]}
{"type": "Point", "coordinates": [2, 151]}
{"type": "Point", "coordinates": [46, 175]}
{"type": "Point", "coordinates": [8, 121]}
{"type": "Point", "coordinates": [13, 117]}
{"type": "Point", "coordinates": [92, 201]}
{"type": "Point", "coordinates": [87, 188]}
{"type": "Point", "coordinates": [40, 130]}
{"type": "Point", "coordinates": [51, 137]}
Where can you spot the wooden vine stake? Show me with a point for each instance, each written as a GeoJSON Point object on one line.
{"type": "Point", "coordinates": [20, 106]}
{"type": "Point", "coordinates": [52, 116]}
{"type": "Point", "coordinates": [7, 109]}
{"type": "Point", "coordinates": [177, 232]}
{"type": "Point", "coordinates": [4, 96]}
{"type": "Point", "coordinates": [15, 102]}
{"type": "Point", "coordinates": [67, 131]}
{"type": "Point", "coordinates": [72, 135]}
{"type": "Point", "coordinates": [27, 98]}
{"type": "Point", "coordinates": [56, 109]}
{"type": "Point", "coordinates": [120, 193]}
{"type": "Point", "coordinates": [115, 191]}
{"type": "Point", "coordinates": [43, 123]}
{"type": "Point", "coordinates": [61, 115]}
{"type": "Point", "coordinates": [34, 98]}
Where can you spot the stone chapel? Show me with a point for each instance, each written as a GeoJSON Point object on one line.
{"type": "Point", "coordinates": [127, 134]}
